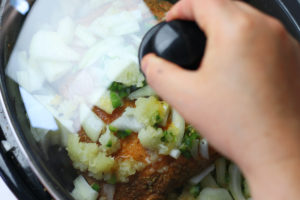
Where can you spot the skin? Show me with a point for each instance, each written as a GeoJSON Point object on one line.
{"type": "Point", "coordinates": [244, 98]}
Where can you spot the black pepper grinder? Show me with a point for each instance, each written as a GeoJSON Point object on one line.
{"type": "Point", "coordinates": [179, 41]}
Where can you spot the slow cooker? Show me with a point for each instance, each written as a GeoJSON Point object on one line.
{"type": "Point", "coordinates": [33, 171]}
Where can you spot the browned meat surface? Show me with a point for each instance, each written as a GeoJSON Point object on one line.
{"type": "Point", "coordinates": [158, 7]}
{"type": "Point", "coordinates": [152, 184]}
{"type": "Point", "coordinates": [108, 118]}
{"type": "Point", "coordinates": [132, 148]}
{"type": "Point", "coordinates": [83, 136]}
{"type": "Point", "coordinates": [156, 179]}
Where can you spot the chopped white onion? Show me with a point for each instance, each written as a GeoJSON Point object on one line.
{"type": "Point", "coordinates": [47, 45]}
{"type": "Point", "coordinates": [116, 24]}
{"type": "Point", "coordinates": [99, 50]}
{"type": "Point", "coordinates": [85, 35]}
{"type": "Point", "coordinates": [127, 121]}
{"type": "Point", "coordinates": [221, 171]}
{"type": "Point", "coordinates": [91, 123]}
{"type": "Point", "coordinates": [235, 182]}
{"type": "Point", "coordinates": [179, 122]}
{"type": "Point", "coordinates": [175, 153]}
{"type": "Point", "coordinates": [142, 92]}
{"type": "Point", "coordinates": [196, 179]}
{"type": "Point", "coordinates": [54, 70]}
{"type": "Point", "coordinates": [65, 29]}
{"type": "Point", "coordinates": [204, 151]}
{"type": "Point", "coordinates": [30, 79]}
{"type": "Point", "coordinates": [109, 191]}
{"type": "Point", "coordinates": [214, 194]}
{"type": "Point", "coordinates": [82, 190]}
{"type": "Point", "coordinates": [209, 181]}
{"type": "Point", "coordinates": [195, 149]}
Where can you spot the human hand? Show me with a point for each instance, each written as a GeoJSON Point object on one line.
{"type": "Point", "coordinates": [244, 97]}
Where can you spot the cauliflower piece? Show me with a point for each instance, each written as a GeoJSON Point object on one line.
{"type": "Point", "coordinates": [87, 156]}
{"type": "Point", "coordinates": [105, 103]}
{"type": "Point", "coordinates": [109, 142]}
{"type": "Point", "coordinates": [150, 137]}
{"type": "Point", "coordinates": [174, 135]}
{"type": "Point", "coordinates": [127, 168]}
{"type": "Point", "coordinates": [150, 111]}
{"type": "Point", "coordinates": [164, 141]}
{"type": "Point", "coordinates": [131, 75]}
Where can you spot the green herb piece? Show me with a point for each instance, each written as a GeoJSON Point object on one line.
{"type": "Point", "coordinates": [112, 180]}
{"type": "Point", "coordinates": [167, 137]}
{"type": "Point", "coordinates": [96, 187]}
{"type": "Point", "coordinates": [115, 99]}
{"type": "Point", "coordinates": [195, 190]}
{"type": "Point", "coordinates": [121, 89]}
{"type": "Point", "coordinates": [190, 136]}
{"type": "Point", "coordinates": [123, 93]}
{"type": "Point", "coordinates": [113, 129]}
{"type": "Point", "coordinates": [109, 144]}
{"type": "Point", "coordinates": [115, 86]}
{"type": "Point", "coordinates": [157, 119]}
{"type": "Point", "coordinates": [124, 133]}
{"type": "Point", "coordinates": [185, 152]}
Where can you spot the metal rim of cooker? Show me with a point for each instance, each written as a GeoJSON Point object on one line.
{"type": "Point", "coordinates": [287, 11]}
{"type": "Point", "coordinates": [12, 13]}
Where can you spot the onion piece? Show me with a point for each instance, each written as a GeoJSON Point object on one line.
{"type": "Point", "coordinates": [85, 36]}
{"type": "Point", "coordinates": [117, 24]}
{"type": "Point", "coordinates": [203, 146]}
{"type": "Point", "coordinates": [91, 123]}
{"type": "Point", "coordinates": [127, 121]}
{"type": "Point", "coordinates": [56, 49]}
{"type": "Point", "coordinates": [195, 149]}
{"type": "Point", "coordinates": [175, 153]}
{"type": "Point", "coordinates": [30, 79]}
{"type": "Point", "coordinates": [209, 181]}
{"type": "Point", "coordinates": [142, 92]}
{"type": "Point", "coordinates": [196, 179]}
{"type": "Point", "coordinates": [214, 194]}
{"type": "Point", "coordinates": [221, 171]}
{"type": "Point", "coordinates": [235, 182]}
{"type": "Point", "coordinates": [65, 29]}
{"type": "Point", "coordinates": [109, 191]}
{"type": "Point", "coordinates": [179, 123]}
{"type": "Point", "coordinates": [82, 190]}
{"type": "Point", "coordinates": [54, 70]}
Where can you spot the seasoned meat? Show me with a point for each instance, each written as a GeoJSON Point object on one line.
{"type": "Point", "coordinates": [108, 118]}
{"type": "Point", "coordinates": [158, 178]}
{"type": "Point", "coordinates": [158, 7]}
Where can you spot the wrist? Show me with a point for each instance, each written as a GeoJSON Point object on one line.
{"type": "Point", "coordinates": [275, 182]}
{"type": "Point", "coordinates": [271, 164]}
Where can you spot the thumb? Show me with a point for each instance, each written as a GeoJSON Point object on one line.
{"type": "Point", "coordinates": [171, 82]}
